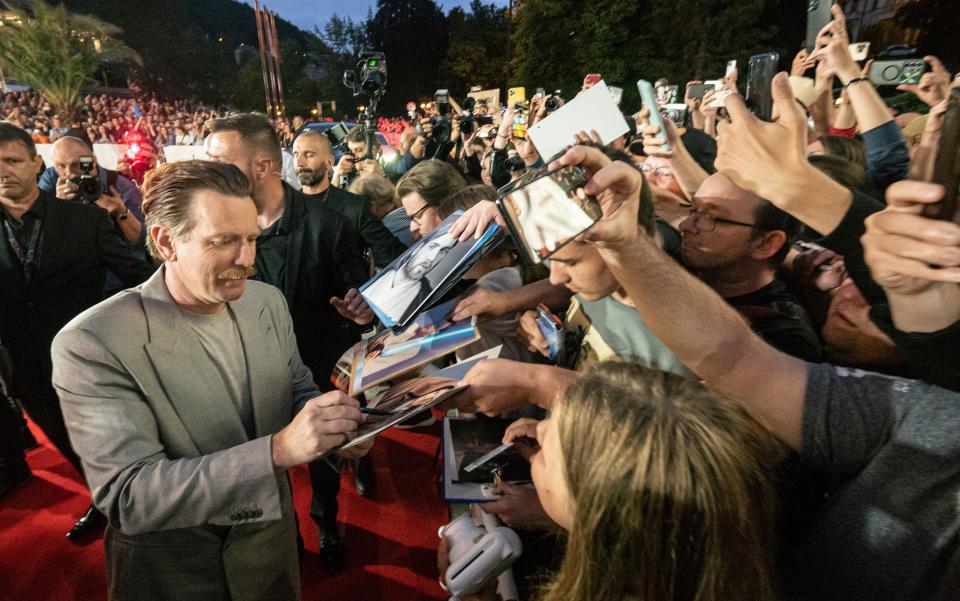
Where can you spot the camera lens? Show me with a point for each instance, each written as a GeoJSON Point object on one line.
{"type": "Point", "coordinates": [891, 73]}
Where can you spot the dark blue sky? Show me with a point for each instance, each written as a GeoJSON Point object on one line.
{"type": "Point", "coordinates": [307, 13]}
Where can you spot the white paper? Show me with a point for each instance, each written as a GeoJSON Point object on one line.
{"type": "Point", "coordinates": [593, 109]}
{"type": "Point", "coordinates": [458, 370]}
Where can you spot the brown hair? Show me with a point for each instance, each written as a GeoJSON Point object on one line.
{"type": "Point", "coordinates": [376, 188]}
{"type": "Point", "coordinates": [168, 192]}
{"type": "Point", "coordinates": [255, 130]}
{"type": "Point", "coordinates": [671, 485]}
{"type": "Point", "coordinates": [433, 180]}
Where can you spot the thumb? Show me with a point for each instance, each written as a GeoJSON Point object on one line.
{"type": "Point", "coordinates": [785, 103]}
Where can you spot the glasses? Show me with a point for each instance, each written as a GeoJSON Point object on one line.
{"type": "Point", "coordinates": [658, 171]}
{"type": "Point", "coordinates": [415, 218]}
{"type": "Point", "coordinates": [706, 222]}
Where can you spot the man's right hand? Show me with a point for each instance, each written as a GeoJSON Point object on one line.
{"type": "Point", "coordinates": [529, 333]}
{"type": "Point", "coordinates": [324, 423]}
{"type": "Point", "coordinates": [66, 189]}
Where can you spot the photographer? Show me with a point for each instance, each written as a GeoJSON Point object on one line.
{"type": "Point", "coordinates": [119, 196]}
{"type": "Point", "coordinates": [357, 161]}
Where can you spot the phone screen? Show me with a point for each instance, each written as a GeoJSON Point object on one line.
{"type": "Point", "coordinates": [761, 69]}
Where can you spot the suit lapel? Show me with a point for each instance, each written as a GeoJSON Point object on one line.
{"type": "Point", "coordinates": [266, 365]}
{"type": "Point", "coordinates": [189, 378]}
{"type": "Point", "coordinates": [297, 219]}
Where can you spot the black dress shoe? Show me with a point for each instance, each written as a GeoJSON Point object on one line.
{"type": "Point", "coordinates": [90, 525]}
{"type": "Point", "coordinates": [365, 478]}
{"type": "Point", "coordinates": [332, 549]}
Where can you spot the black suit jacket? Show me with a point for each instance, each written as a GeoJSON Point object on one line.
{"type": "Point", "coordinates": [324, 259]}
{"type": "Point", "coordinates": [78, 244]}
{"type": "Point", "coordinates": [384, 245]}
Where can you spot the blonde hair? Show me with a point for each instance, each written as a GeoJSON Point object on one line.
{"type": "Point", "coordinates": [168, 192]}
{"type": "Point", "coordinates": [672, 487]}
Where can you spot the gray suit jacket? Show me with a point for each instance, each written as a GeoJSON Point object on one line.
{"type": "Point", "coordinates": [196, 509]}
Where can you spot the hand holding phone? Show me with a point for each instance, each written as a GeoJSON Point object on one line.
{"type": "Point", "coordinates": [650, 103]}
{"type": "Point", "coordinates": [946, 163]}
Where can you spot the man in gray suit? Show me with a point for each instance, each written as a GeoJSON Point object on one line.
{"type": "Point", "coordinates": [187, 401]}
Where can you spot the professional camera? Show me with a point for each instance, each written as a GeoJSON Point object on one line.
{"type": "Point", "coordinates": [478, 554]}
{"type": "Point", "coordinates": [553, 103]}
{"type": "Point", "coordinates": [89, 189]}
{"type": "Point", "coordinates": [369, 77]}
{"type": "Point", "coordinates": [515, 164]}
{"type": "Point", "coordinates": [470, 121]}
{"type": "Point", "coordinates": [676, 112]}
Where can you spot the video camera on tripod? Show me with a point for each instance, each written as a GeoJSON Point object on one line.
{"type": "Point", "coordinates": [368, 78]}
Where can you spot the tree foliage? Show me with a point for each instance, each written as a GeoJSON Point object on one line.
{"type": "Point", "coordinates": [57, 53]}
{"type": "Point", "coordinates": [413, 34]}
{"type": "Point", "coordinates": [938, 22]}
{"type": "Point", "coordinates": [557, 42]}
{"type": "Point", "coordinates": [477, 50]}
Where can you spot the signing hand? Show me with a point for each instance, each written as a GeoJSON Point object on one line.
{"type": "Point", "coordinates": [353, 307]}
{"type": "Point", "coordinates": [325, 422]}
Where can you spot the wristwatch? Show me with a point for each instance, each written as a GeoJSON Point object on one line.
{"type": "Point", "coordinates": [124, 215]}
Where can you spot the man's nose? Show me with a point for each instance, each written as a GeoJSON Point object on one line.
{"type": "Point", "coordinates": [248, 253]}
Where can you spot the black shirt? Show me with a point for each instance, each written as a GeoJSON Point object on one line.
{"type": "Point", "coordinates": [777, 316]}
{"type": "Point", "coordinates": [23, 231]}
{"type": "Point", "coordinates": [271, 261]}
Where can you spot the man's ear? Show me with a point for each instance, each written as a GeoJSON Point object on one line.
{"type": "Point", "coordinates": [38, 163]}
{"type": "Point", "coordinates": [261, 166]}
{"type": "Point", "coordinates": [768, 244]}
{"type": "Point", "coordinates": [164, 242]}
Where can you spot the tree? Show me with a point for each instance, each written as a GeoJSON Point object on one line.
{"type": "Point", "coordinates": [938, 22]}
{"type": "Point", "coordinates": [413, 35]}
{"type": "Point", "coordinates": [477, 52]}
{"type": "Point", "coordinates": [57, 53]}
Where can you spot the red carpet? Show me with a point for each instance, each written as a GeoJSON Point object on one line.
{"type": "Point", "coordinates": [391, 540]}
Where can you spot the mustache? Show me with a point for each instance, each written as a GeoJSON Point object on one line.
{"type": "Point", "coordinates": [239, 273]}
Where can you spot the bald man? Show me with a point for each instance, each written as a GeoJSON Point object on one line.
{"type": "Point", "coordinates": [313, 158]}
{"type": "Point", "coordinates": [121, 198]}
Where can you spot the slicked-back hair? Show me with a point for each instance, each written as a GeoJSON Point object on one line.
{"type": "Point", "coordinates": [11, 133]}
{"type": "Point", "coordinates": [255, 130]}
{"type": "Point", "coordinates": [168, 193]}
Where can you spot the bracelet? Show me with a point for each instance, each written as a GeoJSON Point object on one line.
{"type": "Point", "coordinates": [855, 80]}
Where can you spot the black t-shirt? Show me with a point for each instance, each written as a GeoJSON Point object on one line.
{"type": "Point", "coordinates": [777, 316]}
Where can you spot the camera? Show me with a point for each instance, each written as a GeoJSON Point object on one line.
{"type": "Point", "coordinates": [471, 121]}
{"type": "Point", "coordinates": [515, 164]}
{"type": "Point", "coordinates": [89, 189]}
{"type": "Point", "coordinates": [896, 72]}
{"type": "Point", "coordinates": [478, 554]}
{"type": "Point", "coordinates": [553, 103]}
{"type": "Point", "coordinates": [369, 77]}
{"type": "Point", "coordinates": [676, 112]}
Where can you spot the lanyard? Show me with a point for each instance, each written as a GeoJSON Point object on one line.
{"type": "Point", "coordinates": [29, 256]}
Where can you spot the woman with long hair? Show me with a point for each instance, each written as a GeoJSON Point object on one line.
{"type": "Point", "coordinates": [666, 490]}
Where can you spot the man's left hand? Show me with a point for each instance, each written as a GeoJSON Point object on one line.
{"type": "Point", "coordinates": [353, 307]}
{"type": "Point", "coordinates": [112, 203]}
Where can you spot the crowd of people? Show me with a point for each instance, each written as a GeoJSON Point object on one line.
{"type": "Point", "coordinates": [757, 398]}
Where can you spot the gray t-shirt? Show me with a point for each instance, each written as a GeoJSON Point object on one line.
{"type": "Point", "coordinates": [220, 338]}
{"type": "Point", "coordinates": [890, 528]}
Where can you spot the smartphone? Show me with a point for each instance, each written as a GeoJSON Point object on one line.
{"type": "Point", "coordinates": [442, 96]}
{"type": "Point", "coordinates": [760, 72]}
{"type": "Point", "coordinates": [520, 122]}
{"type": "Point", "coordinates": [946, 165]}
{"type": "Point", "coordinates": [552, 329]}
{"type": "Point", "coordinates": [859, 51]}
{"type": "Point", "coordinates": [896, 72]}
{"type": "Point", "coordinates": [517, 94]}
{"type": "Point", "coordinates": [666, 94]}
{"type": "Point", "coordinates": [591, 79]}
{"type": "Point", "coordinates": [697, 90]}
{"type": "Point", "coordinates": [546, 214]}
{"type": "Point", "coordinates": [616, 93]}
{"type": "Point", "coordinates": [818, 15]}
{"type": "Point", "coordinates": [540, 92]}
{"type": "Point", "coordinates": [719, 99]}
{"type": "Point", "coordinates": [650, 102]}
{"type": "Point", "coordinates": [731, 68]}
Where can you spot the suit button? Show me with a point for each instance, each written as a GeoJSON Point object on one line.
{"type": "Point", "coordinates": [235, 517]}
